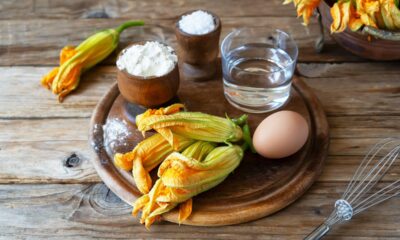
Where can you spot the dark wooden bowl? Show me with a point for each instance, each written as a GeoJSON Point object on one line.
{"type": "Point", "coordinates": [148, 91]}
{"type": "Point", "coordinates": [361, 43]}
{"type": "Point", "coordinates": [199, 53]}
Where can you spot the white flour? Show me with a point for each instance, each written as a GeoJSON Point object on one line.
{"type": "Point", "coordinates": [152, 59]}
{"type": "Point", "coordinates": [115, 134]}
{"type": "Point", "coordinates": [197, 23]}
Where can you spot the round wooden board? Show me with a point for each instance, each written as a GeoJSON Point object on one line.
{"type": "Point", "coordinates": [257, 188]}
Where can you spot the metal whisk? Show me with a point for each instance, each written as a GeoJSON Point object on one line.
{"type": "Point", "coordinates": [367, 187]}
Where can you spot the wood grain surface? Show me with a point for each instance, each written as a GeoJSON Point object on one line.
{"type": "Point", "coordinates": [57, 198]}
{"type": "Point", "coordinates": [38, 41]}
{"type": "Point", "coordinates": [92, 211]}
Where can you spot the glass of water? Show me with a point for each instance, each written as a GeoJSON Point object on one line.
{"type": "Point", "coordinates": [258, 67]}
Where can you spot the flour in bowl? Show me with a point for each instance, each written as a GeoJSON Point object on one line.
{"type": "Point", "coordinates": [197, 23]}
{"type": "Point", "coordinates": [153, 59]}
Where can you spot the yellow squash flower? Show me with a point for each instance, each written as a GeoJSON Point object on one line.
{"type": "Point", "coordinates": [305, 8]}
{"type": "Point", "coordinates": [74, 61]}
{"type": "Point", "coordinates": [390, 14]}
{"type": "Point", "coordinates": [182, 177]}
{"type": "Point", "coordinates": [354, 14]}
{"type": "Point", "coordinates": [366, 13]}
{"type": "Point", "coordinates": [358, 13]}
{"type": "Point", "coordinates": [172, 121]}
{"type": "Point", "coordinates": [148, 154]}
{"type": "Point", "coordinates": [340, 12]}
{"type": "Point", "coordinates": [197, 151]}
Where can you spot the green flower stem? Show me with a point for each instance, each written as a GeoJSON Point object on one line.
{"type": "Point", "coordinates": [129, 24]}
{"type": "Point", "coordinates": [244, 146]}
{"type": "Point", "coordinates": [240, 120]}
{"type": "Point", "coordinates": [247, 138]}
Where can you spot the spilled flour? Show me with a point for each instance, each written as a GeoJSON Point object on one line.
{"type": "Point", "coordinates": [116, 133]}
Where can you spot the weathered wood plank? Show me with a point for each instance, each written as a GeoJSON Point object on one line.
{"type": "Point", "coordinates": [362, 94]}
{"type": "Point", "coordinates": [353, 127]}
{"type": "Point", "coordinates": [23, 96]}
{"type": "Point", "coordinates": [342, 168]}
{"type": "Point", "coordinates": [36, 150]}
{"type": "Point", "coordinates": [41, 130]}
{"type": "Point", "coordinates": [355, 89]}
{"type": "Point", "coordinates": [38, 42]}
{"type": "Point", "coordinates": [90, 211]}
{"type": "Point", "coordinates": [382, 71]}
{"type": "Point", "coordinates": [59, 9]}
{"type": "Point", "coordinates": [347, 128]}
{"type": "Point", "coordinates": [44, 161]}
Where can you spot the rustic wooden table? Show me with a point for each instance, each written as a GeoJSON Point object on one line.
{"type": "Point", "coordinates": [49, 188]}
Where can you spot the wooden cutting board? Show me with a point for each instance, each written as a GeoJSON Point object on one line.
{"type": "Point", "coordinates": [257, 188]}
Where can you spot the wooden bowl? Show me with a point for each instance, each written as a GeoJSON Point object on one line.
{"type": "Point", "coordinates": [199, 53]}
{"type": "Point", "coordinates": [148, 91]}
{"type": "Point", "coordinates": [361, 43]}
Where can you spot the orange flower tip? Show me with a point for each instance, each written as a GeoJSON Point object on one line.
{"type": "Point", "coordinates": [63, 94]}
{"type": "Point", "coordinates": [135, 212]}
{"type": "Point", "coordinates": [144, 190]}
{"type": "Point", "coordinates": [180, 221]}
{"type": "Point", "coordinates": [185, 209]}
{"type": "Point", "coordinates": [149, 221]}
{"type": "Point", "coordinates": [121, 162]}
{"type": "Point", "coordinates": [45, 85]}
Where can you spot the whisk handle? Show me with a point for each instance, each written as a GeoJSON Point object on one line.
{"type": "Point", "coordinates": [319, 232]}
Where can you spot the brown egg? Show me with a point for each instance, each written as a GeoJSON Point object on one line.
{"type": "Point", "coordinates": [280, 135]}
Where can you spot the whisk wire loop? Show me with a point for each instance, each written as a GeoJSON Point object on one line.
{"type": "Point", "coordinates": [359, 181]}
{"type": "Point", "coordinates": [382, 195]}
{"type": "Point", "coordinates": [363, 190]}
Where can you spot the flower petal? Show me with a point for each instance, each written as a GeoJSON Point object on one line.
{"type": "Point", "coordinates": [148, 154]}
{"type": "Point", "coordinates": [47, 80]}
{"type": "Point", "coordinates": [185, 209]}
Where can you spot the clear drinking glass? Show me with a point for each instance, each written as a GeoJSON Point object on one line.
{"type": "Point", "coordinates": [258, 67]}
